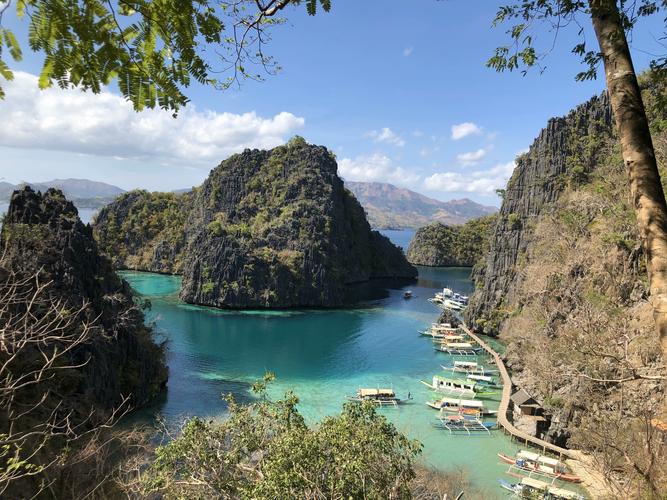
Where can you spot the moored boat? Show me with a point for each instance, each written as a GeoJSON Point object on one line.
{"type": "Point", "coordinates": [484, 380]}
{"type": "Point", "coordinates": [469, 367]}
{"type": "Point", "coordinates": [461, 406]}
{"type": "Point", "coordinates": [457, 351]}
{"type": "Point", "coordinates": [534, 463]}
{"type": "Point", "coordinates": [533, 488]}
{"type": "Point", "coordinates": [379, 396]}
{"type": "Point", "coordinates": [407, 294]}
{"type": "Point", "coordinates": [460, 423]}
{"type": "Point", "coordinates": [452, 386]}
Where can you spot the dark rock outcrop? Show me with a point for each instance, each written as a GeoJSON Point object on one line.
{"type": "Point", "coordinates": [43, 237]}
{"type": "Point", "coordinates": [267, 229]}
{"type": "Point", "coordinates": [539, 178]}
{"type": "Point", "coordinates": [441, 245]}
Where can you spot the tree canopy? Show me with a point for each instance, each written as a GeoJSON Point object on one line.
{"type": "Point", "coordinates": [527, 20]}
{"type": "Point", "coordinates": [155, 49]}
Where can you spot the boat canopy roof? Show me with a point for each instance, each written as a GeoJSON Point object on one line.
{"type": "Point", "coordinates": [462, 402]}
{"type": "Point", "coordinates": [459, 345]}
{"type": "Point", "coordinates": [456, 381]}
{"type": "Point", "coordinates": [470, 364]}
{"type": "Point", "coordinates": [528, 455]}
{"type": "Point", "coordinates": [534, 483]}
{"type": "Point", "coordinates": [376, 392]}
{"type": "Point", "coordinates": [534, 457]}
{"type": "Point", "coordinates": [562, 493]}
{"type": "Point", "coordinates": [485, 378]}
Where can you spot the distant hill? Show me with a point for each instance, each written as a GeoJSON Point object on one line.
{"type": "Point", "coordinates": [83, 193]}
{"type": "Point", "coordinates": [391, 207]}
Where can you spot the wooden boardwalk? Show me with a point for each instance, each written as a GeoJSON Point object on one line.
{"type": "Point", "coordinates": [579, 462]}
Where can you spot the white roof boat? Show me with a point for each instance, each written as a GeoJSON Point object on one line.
{"type": "Point", "coordinates": [443, 326]}
{"type": "Point", "coordinates": [483, 379]}
{"type": "Point", "coordinates": [541, 465]}
{"type": "Point", "coordinates": [462, 406]}
{"type": "Point", "coordinates": [450, 304]}
{"type": "Point", "coordinates": [529, 487]}
{"type": "Point", "coordinates": [379, 396]}
{"type": "Point", "coordinates": [458, 345]}
{"type": "Point", "coordinates": [452, 386]}
{"type": "Point", "coordinates": [454, 351]}
{"type": "Point", "coordinates": [459, 423]}
{"type": "Point", "coordinates": [469, 367]}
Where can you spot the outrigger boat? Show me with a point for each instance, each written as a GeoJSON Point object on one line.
{"type": "Point", "coordinates": [484, 380]}
{"type": "Point", "coordinates": [467, 424]}
{"type": "Point", "coordinates": [379, 396]}
{"type": "Point", "coordinates": [469, 367]}
{"type": "Point", "coordinates": [440, 334]}
{"type": "Point", "coordinates": [452, 386]}
{"type": "Point", "coordinates": [459, 349]}
{"type": "Point", "coordinates": [461, 406]}
{"type": "Point", "coordinates": [533, 463]}
{"type": "Point", "coordinates": [532, 488]}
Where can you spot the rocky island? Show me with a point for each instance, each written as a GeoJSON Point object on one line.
{"type": "Point", "coordinates": [267, 229]}
{"type": "Point", "coordinates": [442, 245]}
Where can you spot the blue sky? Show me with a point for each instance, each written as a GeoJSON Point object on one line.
{"type": "Point", "coordinates": [399, 94]}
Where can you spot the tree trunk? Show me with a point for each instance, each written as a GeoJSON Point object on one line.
{"type": "Point", "coordinates": [638, 154]}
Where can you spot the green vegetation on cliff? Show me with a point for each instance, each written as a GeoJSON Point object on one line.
{"type": "Point", "coordinates": [565, 285]}
{"type": "Point", "coordinates": [143, 230]}
{"type": "Point", "coordinates": [75, 355]}
{"type": "Point", "coordinates": [266, 229]}
{"type": "Point", "coordinates": [441, 245]}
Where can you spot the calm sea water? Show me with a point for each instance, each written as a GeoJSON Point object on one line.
{"type": "Point", "coordinates": [400, 237]}
{"type": "Point", "coordinates": [322, 355]}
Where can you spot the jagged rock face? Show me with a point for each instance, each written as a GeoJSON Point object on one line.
{"type": "Point", "coordinates": [43, 234]}
{"type": "Point", "coordinates": [441, 245]}
{"type": "Point", "coordinates": [267, 229]}
{"type": "Point", "coordinates": [146, 231]}
{"type": "Point", "coordinates": [538, 179]}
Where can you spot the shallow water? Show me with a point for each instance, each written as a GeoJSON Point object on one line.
{"type": "Point", "coordinates": [322, 355]}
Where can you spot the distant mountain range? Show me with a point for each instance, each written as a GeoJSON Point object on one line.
{"type": "Point", "coordinates": [391, 207]}
{"type": "Point", "coordinates": [387, 206]}
{"type": "Point", "coordinates": [83, 192]}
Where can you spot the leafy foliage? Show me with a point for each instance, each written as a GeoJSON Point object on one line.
{"type": "Point", "coordinates": [155, 49]}
{"type": "Point", "coordinates": [525, 18]}
{"type": "Point", "coordinates": [265, 450]}
{"type": "Point", "coordinates": [441, 245]}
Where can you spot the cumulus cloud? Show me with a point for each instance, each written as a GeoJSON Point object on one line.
{"type": "Point", "coordinates": [387, 136]}
{"type": "Point", "coordinates": [375, 167]}
{"type": "Point", "coordinates": [472, 157]}
{"type": "Point", "coordinates": [407, 51]}
{"type": "Point", "coordinates": [480, 182]}
{"type": "Point", "coordinates": [465, 129]}
{"type": "Point", "coordinates": [106, 125]}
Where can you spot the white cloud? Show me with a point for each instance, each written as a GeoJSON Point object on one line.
{"type": "Point", "coordinates": [462, 130]}
{"type": "Point", "coordinates": [473, 157]}
{"type": "Point", "coordinates": [387, 136]}
{"type": "Point", "coordinates": [106, 125]}
{"type": "Point", "coordinates": [375, 167]}
{"type": "Point", "coordinates": [407, 51]}
{"type": "Point", "coordinates": [480, 182]}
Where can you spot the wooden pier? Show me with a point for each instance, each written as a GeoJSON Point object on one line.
{"type": "Point", "coordinates": [580, 463]}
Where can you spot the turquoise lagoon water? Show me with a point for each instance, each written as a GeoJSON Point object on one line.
{"type": "Point", "coordinates": [322, 355]}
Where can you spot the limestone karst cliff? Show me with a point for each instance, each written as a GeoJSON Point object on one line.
{"type": "Point", "coordinates": [43, 242]}
{"type": "Point", "coordinates": [266, 229]}
{"type": "Point", "coordinates": [564, 286]}
{"type": "Point", "coordinates": [441, 245]}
